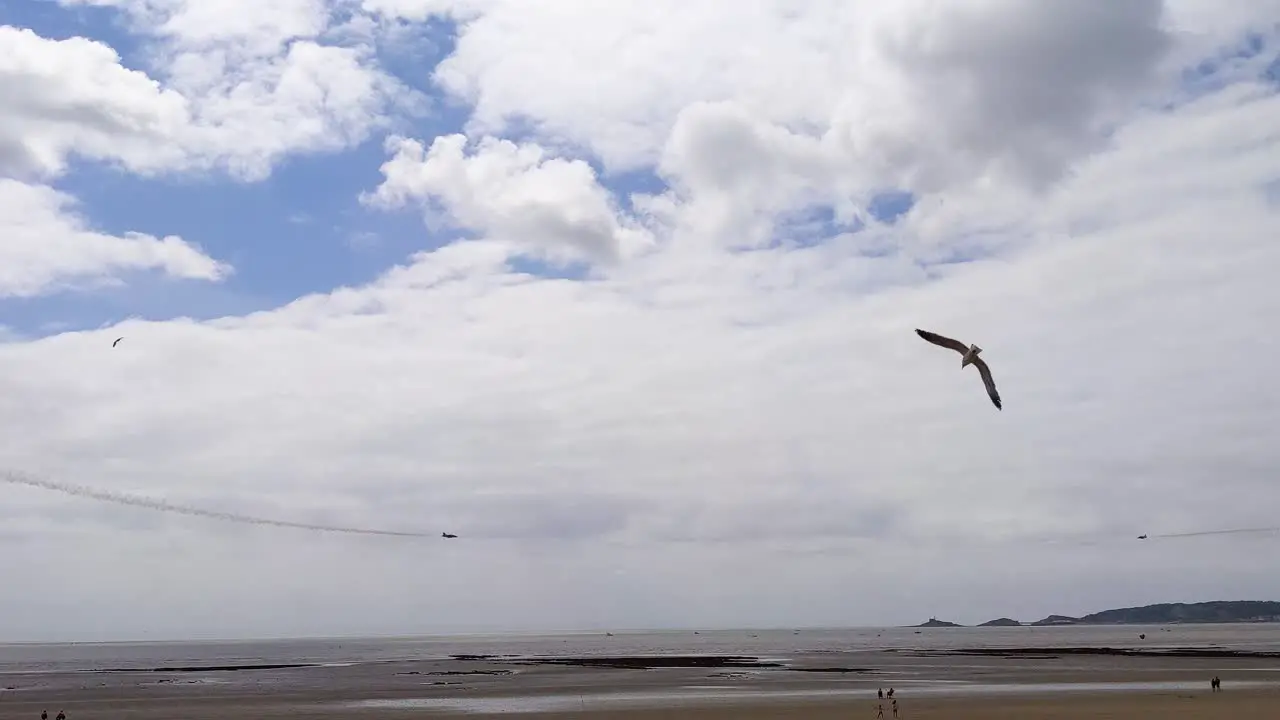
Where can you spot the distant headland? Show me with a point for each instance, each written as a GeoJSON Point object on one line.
{"type": "Point", "coordinates": [1217, 611]}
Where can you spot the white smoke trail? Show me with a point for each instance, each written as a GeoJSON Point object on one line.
{"type": "Point", "coordinates": [1096, 540]}
{"type": "Point", "coordinates": [1236, 531]}
{"type": "Point", "coordinates": [120, 498]}
{"type": "Point", "coordinates": [1174, 536]}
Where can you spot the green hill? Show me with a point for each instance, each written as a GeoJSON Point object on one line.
{"type": "Point", "coordinates": [1218, 611]}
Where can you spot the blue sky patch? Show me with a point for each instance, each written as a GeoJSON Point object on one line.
{"type": "Point", "coordinates": [887, 207]}
{"type": "Point", "coordinates": [810, 227]}
{"type": "Point", "coordinates": [1226, 66]}
{"type": "Point", "coordinates": [1272, 72]}
{"type": "Point", "coordinates": [49, 20]}
{"type": "Point", "coordinates": [633, 182]}
{"type": "Point", "coordinates": [562, 271]}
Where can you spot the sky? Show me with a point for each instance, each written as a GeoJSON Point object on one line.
{"type": "Point", "coordinates": [624, 295]}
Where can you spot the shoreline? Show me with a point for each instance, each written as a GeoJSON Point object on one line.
{"type": "Point", "coordinates": [658, 661]}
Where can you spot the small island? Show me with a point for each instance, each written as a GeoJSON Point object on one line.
{"type": "Point", "coordinates": [1216, 611]}
{"type": "Point", "coordinates": [935, 623]}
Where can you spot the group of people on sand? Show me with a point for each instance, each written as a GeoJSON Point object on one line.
{"type": "Point", "coordinates": [1215, 684]}
{"type": "Point", "coordinates": [893, 702]}
{"type": "Point", "coordinates": [44, 715]}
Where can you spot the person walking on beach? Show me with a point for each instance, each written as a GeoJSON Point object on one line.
{"type": "Point", "coordinates": [44, 715]}
{"type": "Point", "coordinates": [895, 707]}
{"type": "Point", "coordinates": [880, 693]}
{"type": "Point", "coordinates": [61, 716]}
{"type": "Point", "coordinates": [880, 711]}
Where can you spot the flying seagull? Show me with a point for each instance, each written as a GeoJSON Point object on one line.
{"type": "Point", "coordinates": [117, 342]}
{"type": "Point", "coordinates": [970, 357]}
{"type": "Point", "coordinates": [447, 535]}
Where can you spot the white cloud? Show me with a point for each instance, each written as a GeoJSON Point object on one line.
{"type": "Point", "coordinates": [512, 193]}
{"type": "Point", "coordinates": [825, 103]}
{"type": "Point", "coordinates": [1024, 86]}
{"type": "Point", "coordinates": [732, 429]}
{"type": "Point", "coordinates": [224, 25]}
{"type": "Point", "coordinates": [47, 247]}
{"type": "Point", "coordinates": [1204, 26]}
{"type": "Point", "coordinates": [312, 98]}
{"type": "Point", "coordinates": [238, 88]}
{"type": "Point", "coordinates": [767, 407]}
{"type": "Point", "coordinates": [73, 96]}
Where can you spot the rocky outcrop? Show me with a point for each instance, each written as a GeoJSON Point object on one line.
{"type": "Point", "coordinates": [936, 623]}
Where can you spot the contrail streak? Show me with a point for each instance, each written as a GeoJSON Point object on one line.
{"type": "Point", "coordinates": [120, 498]}
{"type": "Point", "coordinates": [1089, 540]}
{"type": "Point", "coordinates": [1237, 531]}
{"type": "Point", "coordinates": [1172, 536]}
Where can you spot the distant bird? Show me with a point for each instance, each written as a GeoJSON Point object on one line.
{"type": "Point", "coordinates": [117, 342]}
{"type": "Point", "coordinates": [447, 535]}
{"type": "Point", "coordinates": [969, 357]}
{"type": "Point", "coordinates": [1142, 537]}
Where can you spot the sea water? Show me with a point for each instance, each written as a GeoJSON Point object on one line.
{"type": "Point", "coordinates": [777, 644]}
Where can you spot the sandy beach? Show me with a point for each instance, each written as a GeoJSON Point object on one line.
{"type": "Point", "coordinates": [957, 683]}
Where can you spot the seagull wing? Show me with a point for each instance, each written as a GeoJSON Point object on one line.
{"type": "Point", "coordinates": [945, 342]}
{"type": "Point", "coordinates": [117, 342]}
{"type": "Point", "coordinates": [986, 380]}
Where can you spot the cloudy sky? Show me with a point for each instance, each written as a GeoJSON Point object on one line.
{"type": "Point", "coordinates": [624, 295]}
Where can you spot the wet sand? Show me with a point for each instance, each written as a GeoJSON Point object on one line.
{"type": "Point", "coordinates": [1241, 705]}
{"type": "Point", "coordinates": [1015, 683]}
{"type": "Point", "coordinates": [1138, 706]}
